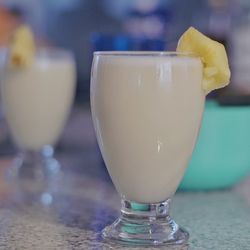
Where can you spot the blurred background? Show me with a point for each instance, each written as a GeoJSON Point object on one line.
{"type": "Point", "coordinates": [84, 26]}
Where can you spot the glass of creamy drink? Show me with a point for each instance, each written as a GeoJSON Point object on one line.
{"type": "Point", "coordinates": [37, 101]}
{"type": "Point", "coordinates": [147, 109]}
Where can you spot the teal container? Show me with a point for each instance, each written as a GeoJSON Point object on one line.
{"type": "Point", "coordinates": [222, 154]}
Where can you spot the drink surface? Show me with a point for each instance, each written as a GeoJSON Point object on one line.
{"type": "Point", "coordinates": [147, 112]}
{"type": "Point", "coordinates": [37, 101]}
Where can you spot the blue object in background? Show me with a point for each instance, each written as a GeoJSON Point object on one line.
{"type": "Point", "coordinates": [154, 45]}
{"type": "Point", "coordinates": [107, 42]}
{"type": "Point", "coordinates": [221, 157]}
{"type": "Point", "coordinates": [122, 42]}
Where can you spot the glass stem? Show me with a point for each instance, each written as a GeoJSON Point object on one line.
{"type": "Point", "coordinates": [141, 211]}
{"type": "Point", "coordinates": [30, 164]}
{"type": "Point", "coordinates": [36, 164]}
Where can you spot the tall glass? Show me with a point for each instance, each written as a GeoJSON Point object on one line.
{"type": "Point", "coordinates": [36, 102]}
{"type": "Point", "coordinates": [147, 109]}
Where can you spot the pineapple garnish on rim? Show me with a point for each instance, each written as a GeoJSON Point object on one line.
{"type": "Point", "coordinates": [216, 72]}
{"type": "Point", "coordinates": [22, 48]}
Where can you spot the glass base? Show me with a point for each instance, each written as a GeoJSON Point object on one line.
{"type": "Point", "coordinates": [36, 176]}
{"type": "Point", "coordinates": [145, 224]}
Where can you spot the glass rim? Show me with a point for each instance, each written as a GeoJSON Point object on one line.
{"type": "Point", "coordinates": [145, 53]}
{"type": "Point", "coordinates": [46, 52]}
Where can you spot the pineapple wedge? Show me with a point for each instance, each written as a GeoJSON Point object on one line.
{"type": "Point", "coordinates": [22, 48]}
{"type": "Point", "coordinates": [216, 72]}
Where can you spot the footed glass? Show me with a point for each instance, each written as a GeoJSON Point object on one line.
{"type": "Point", "coordinates": [36, 103]}
{"type": "Point", "coordinates": [147, 109]}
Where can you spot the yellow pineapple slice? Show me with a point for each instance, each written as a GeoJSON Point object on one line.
{"type": "Point", "coordinates": [22, 48]}
{"type": "Point", "coordinates": [216, 72]}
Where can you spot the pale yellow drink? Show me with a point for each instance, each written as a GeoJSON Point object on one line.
{"type": "Point", "coordinates": [37, 99]}
{"type": "Point", "coordinates": [146, 111]}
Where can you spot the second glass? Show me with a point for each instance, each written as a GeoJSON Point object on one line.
{"type": "Point", "coordinates": [36, 103]}
{"type": "Point", "coordinates": [147, 109]}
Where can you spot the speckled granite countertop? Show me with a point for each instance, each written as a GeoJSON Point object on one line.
{"type": "Point", "coordinates": [84, 201]}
